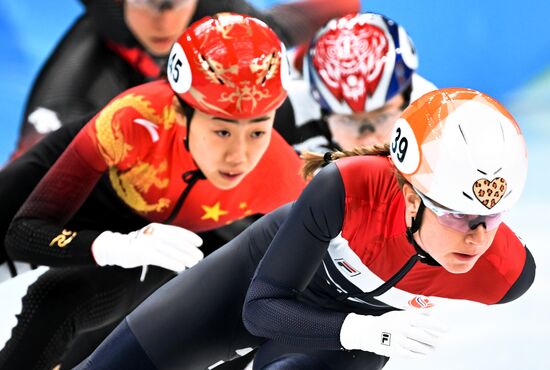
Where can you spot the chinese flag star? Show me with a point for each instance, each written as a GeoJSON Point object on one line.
{"type": "Point", "coordinates": [213, 212]}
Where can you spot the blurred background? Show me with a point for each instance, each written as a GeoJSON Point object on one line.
{"type": "Point", "coordinates": [501, 48]}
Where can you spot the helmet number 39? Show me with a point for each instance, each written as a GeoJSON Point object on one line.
{"type": "Point", "coordinates": [399, 145]}
{"type": "Point", "coordinates": [404, 148]}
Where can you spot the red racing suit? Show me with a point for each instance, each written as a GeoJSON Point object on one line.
{"type": "Point", "coordinates": [136, 140]}
{"type": "Point", "coordinates": [343, 248]}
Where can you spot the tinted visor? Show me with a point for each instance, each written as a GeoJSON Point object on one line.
{"type": "Point", "coordinates": [460, 221]}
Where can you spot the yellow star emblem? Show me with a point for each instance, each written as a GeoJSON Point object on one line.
{"type": "Point", "coordinates": [213, 212]}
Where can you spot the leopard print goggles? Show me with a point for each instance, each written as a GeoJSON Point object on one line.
{"type": "Point", "coordinates": [460, 221]}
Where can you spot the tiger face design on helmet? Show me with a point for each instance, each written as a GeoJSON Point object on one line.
{"type": "Point", "coordinates": [359, 62]}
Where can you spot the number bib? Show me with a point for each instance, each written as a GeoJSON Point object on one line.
{"type": "Point", "coordinates": [404, 148]}
{"type": "Point", "coordinates": [178, 69]}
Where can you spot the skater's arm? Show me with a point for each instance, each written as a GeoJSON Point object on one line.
{"type": "Point", "coordinates": [37, 233]}
{"type": "Point", "coordinates": [272, 309]}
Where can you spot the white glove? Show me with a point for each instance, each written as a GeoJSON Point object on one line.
{"type": "Point", "coordinates": [408, 334]}
{"type": "Point", "coordinates": [171, 247]}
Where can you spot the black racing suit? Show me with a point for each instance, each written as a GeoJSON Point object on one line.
{"type": "Point", "coordinates": [299, 293]}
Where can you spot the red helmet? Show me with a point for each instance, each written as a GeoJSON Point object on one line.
{"type": "Point", "coordinates": [229, 65]}
{"type": "Point", "coordinates": [359, 62]}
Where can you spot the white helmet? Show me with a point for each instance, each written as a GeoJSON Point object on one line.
{"type": "Point", "coordinates": [462, 149]}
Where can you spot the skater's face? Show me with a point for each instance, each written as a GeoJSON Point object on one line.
{"type": "Point", "coordinates": [226, 150]}
{"type": "Point", "coordinates": [367, 128]}
{"type": "Point", "coordinates": [158, 24]}
{"type": "Point", "coordinates": [457, 251]}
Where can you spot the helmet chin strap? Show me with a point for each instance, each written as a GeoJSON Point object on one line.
{"type": "Point", "coordinates": [188, 112]}
{"type": "Point", "coordinates": [415, 226]}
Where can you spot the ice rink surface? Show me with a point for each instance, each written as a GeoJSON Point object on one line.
{"type": "Point", "coordinates": [508, 337]}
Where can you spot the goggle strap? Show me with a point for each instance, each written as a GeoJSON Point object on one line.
{"type": "Point", "coordinates": [415, 226]}
{"type": "Point", "coordinates": [416, 221]}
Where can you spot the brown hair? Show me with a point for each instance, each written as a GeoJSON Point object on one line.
{"type": "Point", "coordinates": [314, 161]}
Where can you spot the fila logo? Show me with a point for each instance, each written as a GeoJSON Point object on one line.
{"type": "Point", "coordinates": [386, 339]}
{"type": "Point", "coordinates": [344, 265]}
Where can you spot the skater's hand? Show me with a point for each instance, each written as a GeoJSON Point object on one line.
{"type": "Point", "coordinates": [408, 334]}
{"type": "Point", "coordinates": [171, 247]}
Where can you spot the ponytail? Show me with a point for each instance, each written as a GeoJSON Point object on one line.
{"type": "Point", "coordinates": [314, 161]}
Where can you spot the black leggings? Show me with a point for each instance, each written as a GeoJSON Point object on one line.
{"type": "Point", "coordinates": [65, 302]}
{"type": "Point", "coordinates": [195, 320]}
{"type": "Point", "coordinates": [68, 311]}
{"type": "Point", "coordinates": [277, 356]}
